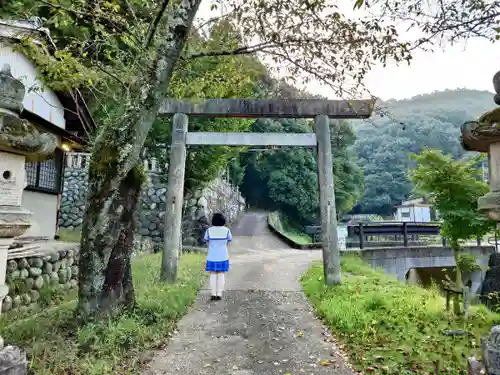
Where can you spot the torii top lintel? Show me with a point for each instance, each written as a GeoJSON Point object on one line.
{"type": "Point", "coordinates": [280, 108]}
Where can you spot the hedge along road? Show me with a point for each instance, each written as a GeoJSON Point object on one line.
{"type": "Point", "coordinates": [263, 325]}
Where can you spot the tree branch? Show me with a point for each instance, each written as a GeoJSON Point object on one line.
{"type": "Point", "coordinates": [98, 66]}
{"type": "Point", "coordinates": [132, 12]}
{"type": "Point", "coordinates": [104, 18]}
{"type": "Point", "coordinates": [154, 25]}
{"type": "Point", "coordinates": [259, 47]}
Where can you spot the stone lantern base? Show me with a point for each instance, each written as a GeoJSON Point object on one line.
{"type": "Point", "coordinates": [14, 221]}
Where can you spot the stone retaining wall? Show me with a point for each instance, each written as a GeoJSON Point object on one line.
{"type": "Point", "coordinates": [73, 198]}
{"type": "Point", "coordinates": [33, 277]}
{"type": "Point", "coordinates": [219, 196]}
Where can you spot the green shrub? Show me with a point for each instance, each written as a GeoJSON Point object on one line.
{"type": "Point", "coordinates": [467, 263]}
{"type": "Point", "coordinates": [114, 346]}
{"type": "Point", "coordinates": [281, 224]}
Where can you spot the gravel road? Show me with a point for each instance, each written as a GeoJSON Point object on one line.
{"type": "Point", "coordinates": [264, 324]}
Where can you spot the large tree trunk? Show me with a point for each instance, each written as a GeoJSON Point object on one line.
{"type": "Point", "coordinates": [105, 280]}
{"type": "Point", "coordinates": [106, 285]}
{"type": "Point", "coordinates": [118, 287]}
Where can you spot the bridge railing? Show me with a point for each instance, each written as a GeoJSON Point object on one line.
{"type": "Point", "coordinates": [405, 229]}
{"type": "Point", "coordinates": [371, 229]}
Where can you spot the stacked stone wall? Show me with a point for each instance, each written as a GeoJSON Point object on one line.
{"type": "Point", "coordinates": [219, 196]}
{"type": "Point", "coordinates": [36, 279]}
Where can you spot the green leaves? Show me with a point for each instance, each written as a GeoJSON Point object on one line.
{"type": "Point", "coordinates": [358, 4]}
{"type": "Point", "coordinates": [210, 77]}
{"type": "Point", "coordinates": [287, 177]}
{"type": "Point", "coordinates": [451, 21]}
{"type": "Point", "coordinates": [455, 187]}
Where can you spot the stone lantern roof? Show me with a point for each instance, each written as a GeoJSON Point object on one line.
{"type": "Point", "coordinates": [479, 135]}
{"type": "Point", "coordinates": [79, 121]}
{"type": "Point", "coordinates": [17, 135]}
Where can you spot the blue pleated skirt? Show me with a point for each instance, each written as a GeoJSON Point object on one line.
{"type": "Point", "coordinates": [222, 266]}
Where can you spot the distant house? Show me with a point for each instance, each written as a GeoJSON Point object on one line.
{"type": "Point", "coordinates": [63, 114]}
{"type": "Point", "coordinates": [485, 171]}
{"type": "Point", "coordinates": [415, 211]}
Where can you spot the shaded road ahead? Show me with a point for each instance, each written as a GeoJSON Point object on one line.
{"type": "Point", "coordinates": [251, 233]}
{"type": "Point", "coordinates": [264, 324]}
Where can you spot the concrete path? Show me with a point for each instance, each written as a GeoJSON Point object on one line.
{"type": "Point", "coordinates": [264, 324]}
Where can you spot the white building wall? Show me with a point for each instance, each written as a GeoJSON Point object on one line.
{"type": "Point", "coordinates": [44, 209]}
{"type": "Point", "coordinates": [404, 214]}
{"type": "Point", "coordinates": [414, 214]}
{"type": "Point", "coordinates": [424, 214]}
{"type": "Point", "coordinates": [38, 100]}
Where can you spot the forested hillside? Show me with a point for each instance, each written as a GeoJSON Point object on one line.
{"type": "Point", "coordinates": [425, 121]}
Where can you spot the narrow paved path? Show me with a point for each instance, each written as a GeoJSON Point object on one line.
{"type": "Point", "coordinates": [264, 324]}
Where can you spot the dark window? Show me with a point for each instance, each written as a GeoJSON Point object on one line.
{"type": "Point", "coordinates": [45, 175]}
{"type": "Point", "coordinates": [405, 214]}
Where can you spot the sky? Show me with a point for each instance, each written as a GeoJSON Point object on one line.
{"type": "Point", "coordinates": [469, 64]}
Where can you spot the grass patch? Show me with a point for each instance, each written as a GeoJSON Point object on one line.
{"type": "Point", "coordinates": [392, 328]}
{"type": "Point", "coordinates": [116, 346]}
{"type": "Point", "coordinates": [70, 235]}
{"type": "Point", "coordinates": [280, 223]}
{"type": "Point", "coordinates": [300, 238]}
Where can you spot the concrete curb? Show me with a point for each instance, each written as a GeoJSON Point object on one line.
{"type": "Point", "coordinates": [292, 243]}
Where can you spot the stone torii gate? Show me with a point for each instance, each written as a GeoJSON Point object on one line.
{"type": "Point", "coordinates": [321, 110]}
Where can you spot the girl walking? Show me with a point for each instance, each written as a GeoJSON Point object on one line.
{"type": "Point", "coordinates": [218, 237]}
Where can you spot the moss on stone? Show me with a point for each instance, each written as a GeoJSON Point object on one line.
{"type": "Point", "coordinates": [491, 118]}
{"type": "Point", "coordinates": [21, 136]}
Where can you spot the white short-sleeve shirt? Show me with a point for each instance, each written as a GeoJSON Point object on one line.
{"type": "Point", "coordinates": [217, 238]}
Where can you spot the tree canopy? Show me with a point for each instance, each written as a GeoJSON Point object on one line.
{"type": "Point", "coordinates": [425, 121]}
{"type": "Point", "coordinates": [286, 179]}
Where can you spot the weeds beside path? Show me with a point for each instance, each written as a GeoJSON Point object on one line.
{"type": "Point", "coordinates": [117, 346]}
{"type": "Point", "coordinates": [388, 327]}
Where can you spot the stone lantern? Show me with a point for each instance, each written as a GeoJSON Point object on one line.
{"type": "Point", "coordinates": [20, 141]}
{"type": "Point", "coordinates": [483, 135]}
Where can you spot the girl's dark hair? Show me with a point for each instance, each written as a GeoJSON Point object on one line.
{"type": "Point", "coordinates": [218, 220]}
